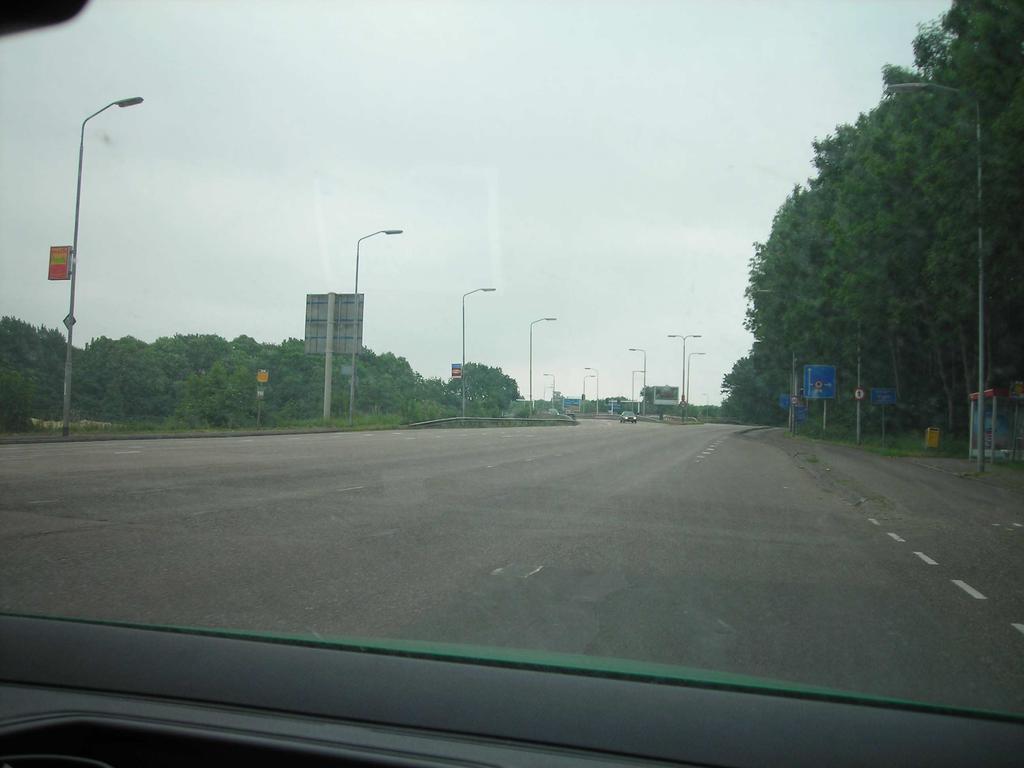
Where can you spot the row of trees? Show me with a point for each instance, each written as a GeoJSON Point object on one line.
{"type": "Point", "coordinates": [208, 381]}
{"type": "Point", "coordinates": [878, 251]}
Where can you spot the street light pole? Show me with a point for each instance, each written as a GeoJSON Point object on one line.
{"type": "Point", "coordinates": [897, 88]}
{"type": "Point", "coordinates": [597, 396]}
{"type": "Point", "coordinates": [643, 402]}
{"type": "Point", "coordinates": [355, 325]}
{"type": "Point", "coordinates": [552, 388]}
{"type": "Point", "coordinates": [69, 321]}
{"type": "Point", "coordinates": [682, 386]}
{"type": "Point", "coordinates": [463, 371]}
{"type": "Point", "coordinates": [632, 383]}
{"type": "Point", "coordinates": [688, 361]}
{"type": "Point", "coordinates": [588, 376]}
{"type": "Point", "coordinates": [539, 320]}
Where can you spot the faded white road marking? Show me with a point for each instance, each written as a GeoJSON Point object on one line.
{"type": "Point", "coordinates": [44, 501]}
{"type": "Point", "coordinates": [122, 453]}
{"type": "Point", "coordinates": [873, 521]}
{"type": "Point", "coordinates": [896, 537]}
{"type": "Point", "coordinates": [496, 571]}
{"type": "Point", "coordinates": [1019, 627]}
{"type": "Point", "coordinates": [1018, 525]}
{"type": "Point", "coordinates": [535, 570]}
{"type": "Point", "coordinates": [969, 589]}
{"type": "Point", "coordinates": [351, 488]}
{"type": "Point", "coordinates": [925, 557]}
{"type": "Point", "coordinates": [489, 466]}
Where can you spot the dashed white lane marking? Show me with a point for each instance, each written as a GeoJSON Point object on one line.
{"type": "Point", "coordinates": [496, 571]}
{"type": "Point", "coordinates": [351, 488]}
{"type": "Point", "coordinates": [410, 438]}
{"type": "Point", "coordinates": [295, 438]}
{"type": "Point", "coordinates": [1018, 525]}
{"type": "Point", "coordinates": [896, 537]}
{"type": "Point", "coordinates": [529, 459]}
{"type": "Point", "coordinates": [489, 466]}
{"type": "Point", "coordinates": [535, 570]}
{"type": "Point", "coordinates": [925, 558]}
{"type": "Point", "coordinates": [873, 521]}
{"type": "Point", "coordinates": [122, 453]}
{"type": "Point", "coordinates": [44, 501]}
{"type": "Point", "coordinates": [1019, 628]}
{"type": "Point", "coordinates": [969, 589]}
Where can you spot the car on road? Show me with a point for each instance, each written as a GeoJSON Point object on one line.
{"type": "Point", "coordinates": [627, 416]}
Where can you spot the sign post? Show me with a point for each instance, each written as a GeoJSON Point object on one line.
{"type": "Point", "coordinates": [262, 377]}
{"type": "Point", "coordinates": [1016, 395]}
{"type": "Point", "coordinates": [820, 384]}
{"type": "Point", "coordinates": [858, 395]}
{"type": "Point", "coordinates": [334, 326]}
{"type": "Point", "coordinates": [883, 396]}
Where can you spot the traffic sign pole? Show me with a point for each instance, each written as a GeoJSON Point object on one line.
{"type": "Point", "coordinates": [860, 392]}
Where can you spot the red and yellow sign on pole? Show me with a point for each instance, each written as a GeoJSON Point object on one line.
{"type": "Point", "coordinates": [60, 262]}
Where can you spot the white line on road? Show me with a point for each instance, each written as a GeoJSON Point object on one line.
{"type": "Point", "coordinates": [969, 589]}
{"type": "Point", "coordinates": [351, 488]}
{"type": "Point", "coordinates": [1018, 525]}
{"type": "Point", "coordinates": [925, 557]}
{"type": "Point", "coordinates": [896, 537]}
{"type": "Point", "coordinates": [535, 570]}
{"type": "Point", "coordinates": [410, 438]}
{"type": "Point", "coordinates": [496, 571]}
{"type": "Point", "coordinates": [489, 466]}
{"type": "Point", "coordinates": [122, 453]}
{"type": "Point", "coordinates": [1019, 627]}
{"type": "Point", "coordinates": [873, 521]}
{"type": "Point", "coordinates": [45, 501]}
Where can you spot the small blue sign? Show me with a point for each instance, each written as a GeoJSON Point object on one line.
{"type": "Point", "coordinates": [801, 414]}
{"type": "Point", "coordinates": [784, 402]}
{"type": "Point", "coordinates": [820, 382]}
{"type": "Point", "coordinates": [614, 406]}
{"type": "Point", "coordinates": [571, 404]}
{"type": "Point", "coordinates": [883, 396]}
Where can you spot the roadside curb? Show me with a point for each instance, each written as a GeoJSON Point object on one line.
{"type": "Point", "coordinates": [85, 438]}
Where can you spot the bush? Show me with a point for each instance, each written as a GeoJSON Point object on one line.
{"type": "Point", "coordinates": [16, 393]}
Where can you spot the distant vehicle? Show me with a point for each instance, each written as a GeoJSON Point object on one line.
{"type": "Point", "coordinates": [627, 416]}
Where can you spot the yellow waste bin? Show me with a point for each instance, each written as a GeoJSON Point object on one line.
{"type": "Point", "coordinates": [931, 437]}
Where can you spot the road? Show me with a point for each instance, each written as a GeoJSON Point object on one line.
{"type": "Point", "coordinates": [715, 547]}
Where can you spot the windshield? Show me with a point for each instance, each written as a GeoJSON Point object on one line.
{"type": "Point", "coordinates": [323, 320]}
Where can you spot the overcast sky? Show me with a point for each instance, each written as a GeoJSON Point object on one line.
{"type": "Point", "coordinates": [606, 163]}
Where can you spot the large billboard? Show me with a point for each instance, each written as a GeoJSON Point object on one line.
{"type": "Point", "coordinates": [348, 323]}
{"type": "Point", "coordinates": [666, 395]}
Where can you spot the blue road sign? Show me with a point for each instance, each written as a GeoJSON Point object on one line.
{"type": "Point", "coordinates": [571, 404]}
{"type": "Point", "coordinates": [784, 402]}
{"type": "Point", "coordinates": [883, 396]}
{"type": "Point", "coordinates": [614, 406]}
{"type": "Point", "coordinates": [820, 382]}
{"type": "Point", "coordinates": [801, 414]}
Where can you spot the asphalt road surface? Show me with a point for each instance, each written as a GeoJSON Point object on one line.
{"type": "Point", "coordinates": [715, 547]}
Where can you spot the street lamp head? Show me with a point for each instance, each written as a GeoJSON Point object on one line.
{"type": "Point", "coordinates": [905, 87]}
{"type": "Point", "coordinates": [488, 290]}
{"type": "Point", "coordinates": [549, 318]}
{"type": "Point", "coordinates": [696, 336]}
{"type": "Point", "coordinates": [392, 231]}
{"type": "Point", "coordinates": [129, 102]}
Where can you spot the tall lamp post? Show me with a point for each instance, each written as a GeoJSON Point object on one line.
{"type": "Point", "coordinates": [588, 376]}
{"type": "Point", "coordinates": [632, 383]}
{"type": "Point", "coordinates": [552, 388]}
{"type": "Point", "coordinates": [463, 373]}
{"type": "Point", "coordinates": [643, 392]}
{"type": "Point", "coordinates": [539, 320]}
{"type": "Point", "coordinates": [686, 409]}
{"type": "Point", "coordinates": [897, 88]}
{"type": "Point", "coordinates": [682, 386]}
{"type": "Point", "coordinates": [355, 326]}
{"type": "Point", "coordinates": [597, 384]}
{"type": "Point", "coordinates": [69, 321]}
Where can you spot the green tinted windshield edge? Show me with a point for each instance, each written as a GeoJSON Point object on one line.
{"type": "Point", "coordinates": [548, 661]}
